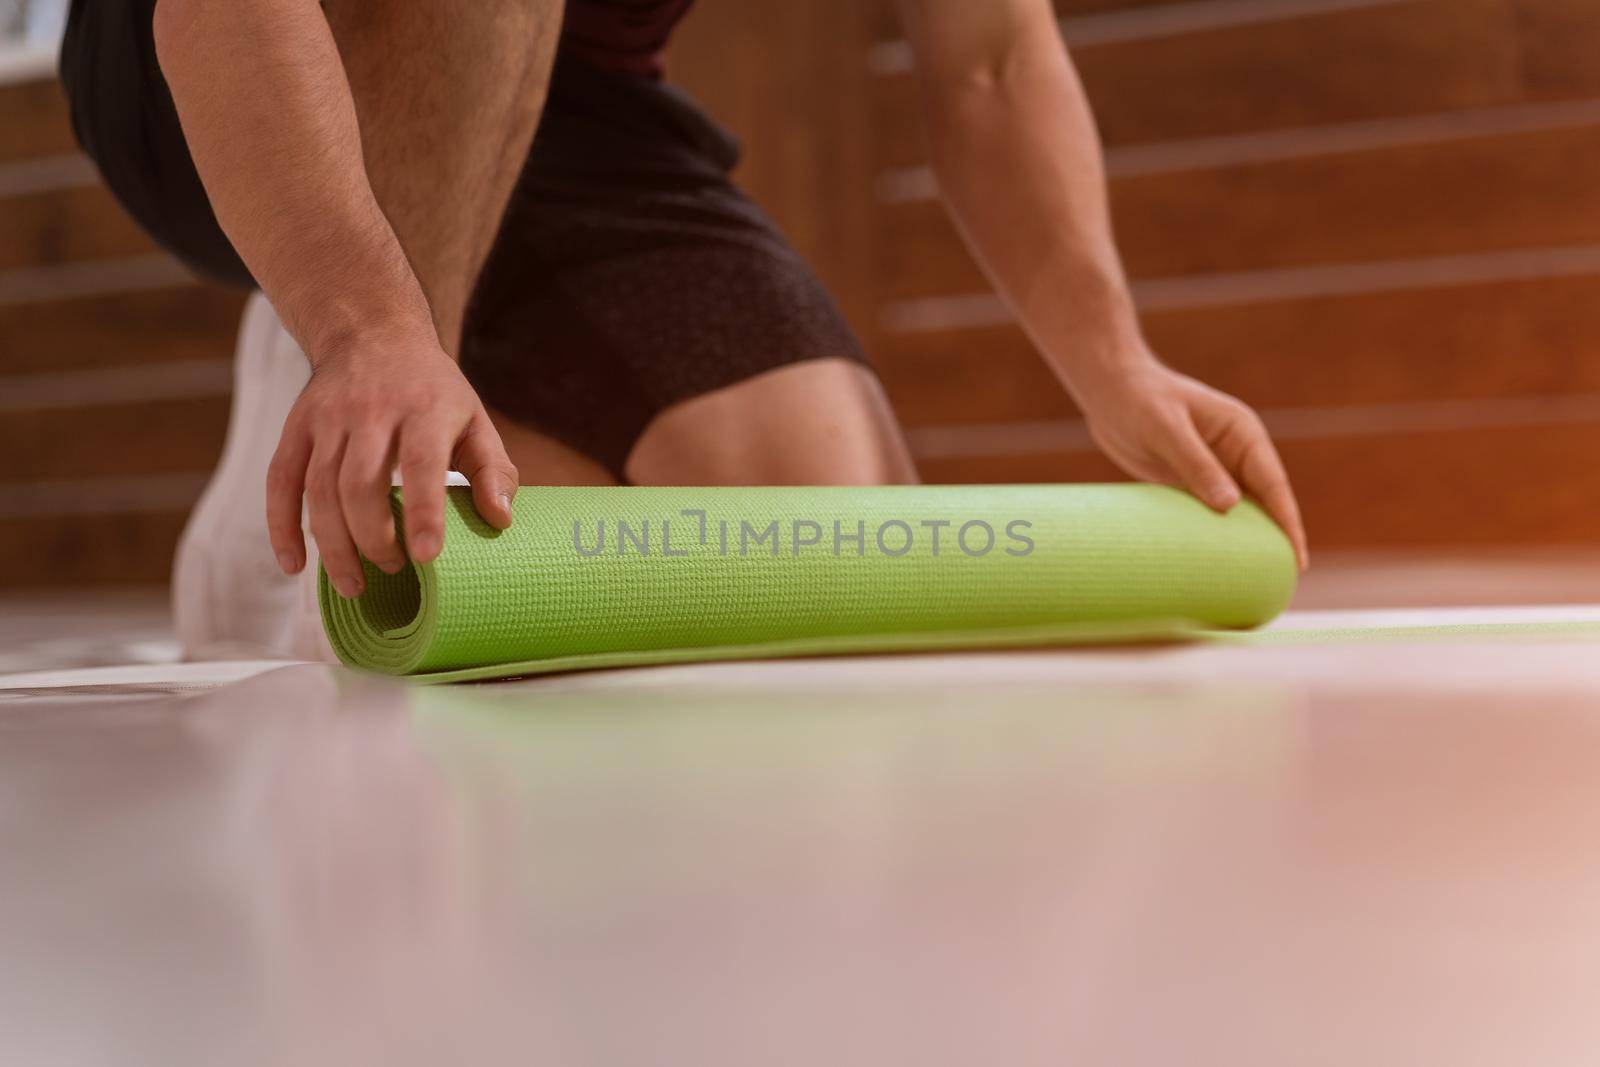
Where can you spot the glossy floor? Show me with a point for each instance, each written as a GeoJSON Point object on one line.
{"type": "Point", "coordinates": [1373, 853]}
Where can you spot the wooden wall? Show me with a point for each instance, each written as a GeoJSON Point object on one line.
{"type": "Point", "coordinates": [1376, 220]}
{"type": "Point", "coordinates": [114, 368]}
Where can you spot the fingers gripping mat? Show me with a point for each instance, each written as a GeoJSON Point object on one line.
{"type": "Point", "coordinates": [624, 576]}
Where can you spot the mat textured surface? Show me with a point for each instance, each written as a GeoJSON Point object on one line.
{"type": "Point", "coordinates": [607, 577]}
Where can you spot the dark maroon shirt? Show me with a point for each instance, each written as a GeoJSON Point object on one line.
{"type": "Point", "coordinates": [621, 35]}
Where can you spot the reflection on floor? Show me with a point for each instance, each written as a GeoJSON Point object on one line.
{"type": "Point", "coordinates": [1375, 853]}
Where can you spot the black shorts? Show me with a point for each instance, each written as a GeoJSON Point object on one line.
{"type": "Point", "coordinates": [629, 273]}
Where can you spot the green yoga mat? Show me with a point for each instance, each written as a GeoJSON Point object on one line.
{"type": "Point", "coordinates": [612, 577]}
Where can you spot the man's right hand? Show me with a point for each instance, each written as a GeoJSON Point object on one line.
{"type": "Point", "coordinates": [387, 401]}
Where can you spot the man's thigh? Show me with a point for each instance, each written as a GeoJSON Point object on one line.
{"type": "Point", "coordinates": [818, 422]}
{"type": "Point", "coordinates": [542, 460]}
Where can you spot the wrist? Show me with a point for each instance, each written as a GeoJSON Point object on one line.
{"type": "Point", "coordinates": [345, 335]}
{"type": "Point", "coordinates": [1095, 384]}
{"type": "Point", "coordinates": [1088, 329]}
{"type": "Point", "coordinates": [1105, 360]}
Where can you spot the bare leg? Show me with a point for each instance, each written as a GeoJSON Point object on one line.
{"type": "Point", "coordinates": [821, 422]}
{"type": "Point", "coordinates": [544, 460]}
{"type": "Point", "coordinates": [447, 93]}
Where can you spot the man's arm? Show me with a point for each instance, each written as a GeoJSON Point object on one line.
{"type": "Point", "coordinates": [269, 118]}
{"type": "Point", "coordinates": [1018, 160]}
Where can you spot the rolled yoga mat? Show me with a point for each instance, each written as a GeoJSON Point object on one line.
{"type": "Point", "coordinates": [625, 576]}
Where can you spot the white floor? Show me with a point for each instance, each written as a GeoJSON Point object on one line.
{"type": "Point", "coordinates": [1367, 853]}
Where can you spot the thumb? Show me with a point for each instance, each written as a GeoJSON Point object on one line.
{"type": "Point", "coordinates": [482, 459]}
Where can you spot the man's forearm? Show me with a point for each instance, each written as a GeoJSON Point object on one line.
{"type": "Point", "coordinates": [1046, 239]}
{"type": "Point", "coordinates": [268, 115]}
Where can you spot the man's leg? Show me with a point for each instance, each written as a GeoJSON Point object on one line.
{"type": "Point", "coordinates": [447, 93]}
{"type": "Point", "coordinates": [820, 422]}
{"type": "Point", "coordinates": [542, 460]}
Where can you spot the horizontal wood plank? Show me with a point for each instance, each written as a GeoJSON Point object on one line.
{"type": "Point", "coordinates": [969, 376]}
{"type": "Point", "coordinates": [1342, 66]}
{"type": "Point", "coordinates": [61, 551]}
{"type": "Point", "coordinates": [884, 20]}
{"type": "Point", "coordinates": [35, 120]}
{"type": "Point", "coordinates": [149, 438]}
{"type": "Point", "coordinates": [1558, 41]}
{"type": "Point", "coordinates": [1462, 489]}
{"type": "Point", "coordinates": [1453, 197]}
{"type": "Point", "coordinates": [66, 225]}
{"type": "Point", "coordinates": [118, 329]}
{"type": "Point", "coordinates": [1098, 7]}
{"type": "Point", "coordinates": [1468, 342]}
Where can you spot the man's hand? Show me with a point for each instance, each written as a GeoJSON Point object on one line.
{"type": "Point", "coordinates": [1162, 426]}
{"type": "Point", "coordinates": [387, 402]}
